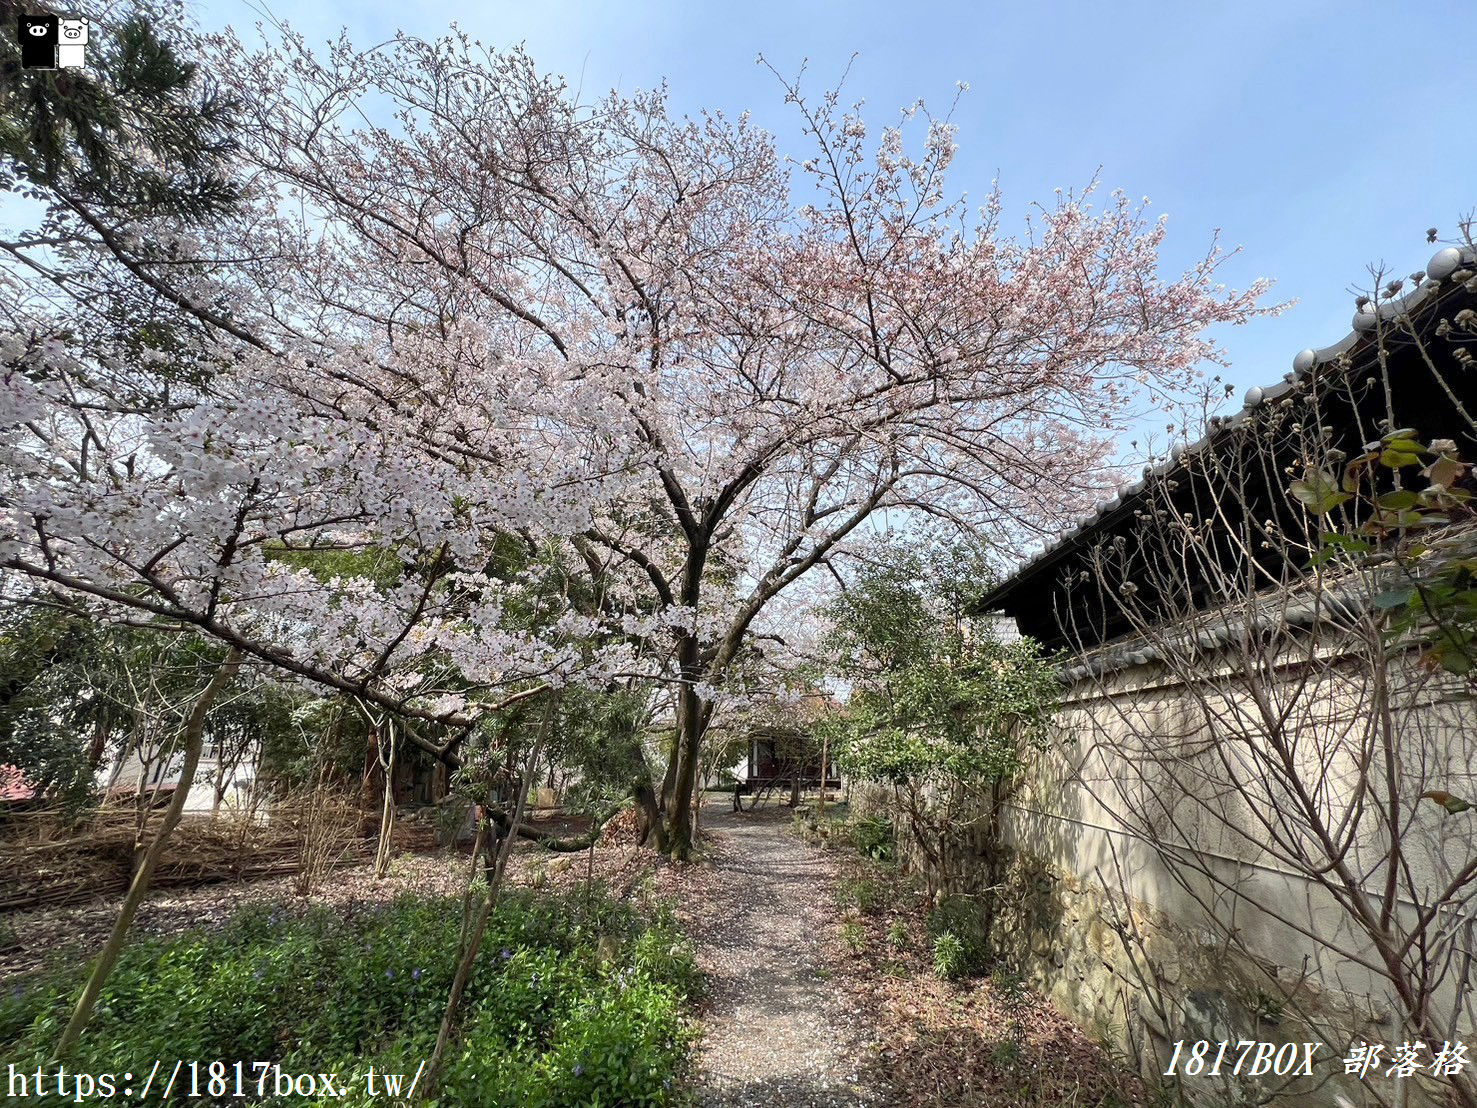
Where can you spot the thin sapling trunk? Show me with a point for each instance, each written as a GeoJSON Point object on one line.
{"type": "Point", "coordinates": [144, 871]}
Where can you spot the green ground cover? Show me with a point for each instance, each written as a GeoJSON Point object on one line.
{"type": "Point", "coordinates": [578, 999]}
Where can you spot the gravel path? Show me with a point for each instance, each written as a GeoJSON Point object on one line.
{"type": "Point", "coordinates": [777, 1029]}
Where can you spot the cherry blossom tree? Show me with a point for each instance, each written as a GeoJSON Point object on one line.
{"type": "Point", "coordinates": [183, 449]}
{"type": "Point", "coordinates": [458, 302]}
{"type": "Point", "coordinates": [308, 497]}
{"type": "Point", "coordinates": [779, 353]}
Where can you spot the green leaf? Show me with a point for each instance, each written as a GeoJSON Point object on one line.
{"type": "Point", "coordinates": [1392, 520]}
{"type": "Point", "coordinates": [1393, 458]}
{"type": "Point", "coordinates": [1318, 492]}
{"type": "Point", "coordinates": [1394, 598]}
{"type": "Point", "coordinates": [1344, 542]}
{"type": "Point", "coordinates": [1402, 433]}
{"type": "Point", "coordinates": [1400, 498]}
{"type": "Point", "coordinates": [1456, 661]}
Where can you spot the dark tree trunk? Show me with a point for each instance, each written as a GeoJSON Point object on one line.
{"type": "Point", "coordinates": [99, 745]}
{"type": "Point", "coordinates": [682, 765]}
{"type": "Point", "coordinates": [650, 815]}
{"type": "Point", "coordinates": [669, 779]}
{"type": "Point", "coordinates": [690, 716]}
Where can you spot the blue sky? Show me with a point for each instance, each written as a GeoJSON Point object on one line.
{"type": "Point", "coordinates": [1321, 137]}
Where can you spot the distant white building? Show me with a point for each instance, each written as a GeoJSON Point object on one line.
{"type": "Point", "coordinates": [127, 774]}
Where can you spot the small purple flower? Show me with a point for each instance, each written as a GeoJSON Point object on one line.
{"type": "Point", "coordinates": [415, 975]}
{"type": "Point", "coordinates": [390, 974]}
{"type": "Point", "coordinates": [506, 954]}
{"type": "Point", "coordinates": [579, 1070]}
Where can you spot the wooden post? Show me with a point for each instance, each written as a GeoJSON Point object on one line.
{"type": "Point", "coordinates": [821, 804]}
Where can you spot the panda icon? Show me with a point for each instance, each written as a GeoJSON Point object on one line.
{"type": "Point", "coordinates": [39, 38]}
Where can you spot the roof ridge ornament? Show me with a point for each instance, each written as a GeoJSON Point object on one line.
{"type": "Point", "coordinates": [1444, 263]}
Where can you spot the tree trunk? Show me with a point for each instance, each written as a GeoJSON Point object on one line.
{"type": "Point", "coordinates": [994, 849]}
{"type": "Point", "coordinates": [669, 779]}
{"type": "Point", "coordinates": [138, 888]}
{"type": "Point", "coordinates": [387, 807]}
{"type": "Point", "coordinates": [483, 823]}
{"type": "Point", "coordinates": [479, 928]}
{"type": "Point", "coordinates": [679, 804]}
{"type": "Point", "coordinates": [467, 963]}
{"type": "Point", "coordinates": [682, 764]}
{"type": "Point", "coordinates": [650, 814]}
{"type": "Point", "coordinates": [99, 745]}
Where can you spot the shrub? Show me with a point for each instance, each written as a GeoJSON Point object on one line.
{"type": "Point", "coordinates": [1005, 1053]}
{"type": "Point", "coordinates": [962, 918]}
{"type": "Point", "coordinates": [325, 820]}
{"type": "Point", "coordinates": [828, 831]}
{"type": "Point", "coordinates": [873, 838]}
{"type": "Point", "coordinates": [948, 956]}
{"type": "Point", "coordinates": [548, 1020]}
{"type": "Point", "coordinates": [451, 819]}
{"type": "Point", "coordinates": [662, 953]}
{"type": "Point", "coordinates": [862, 893]}
{"type": "Point", "coordinates": [1011, 988]}
{"type": "Point", "coordinates": [897, 934]}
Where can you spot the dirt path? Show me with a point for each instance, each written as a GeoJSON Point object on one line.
{"type": "Point", "coordinates": [777, 1029]}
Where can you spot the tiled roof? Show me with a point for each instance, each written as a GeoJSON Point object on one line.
{"type": "Point", "coordinates": [1438, 270]}
{"type": "Point", "coordinates": [13, 785]}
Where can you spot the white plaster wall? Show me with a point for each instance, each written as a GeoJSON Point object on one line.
{"type": "Point", "coordinates": [1128, 741]}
